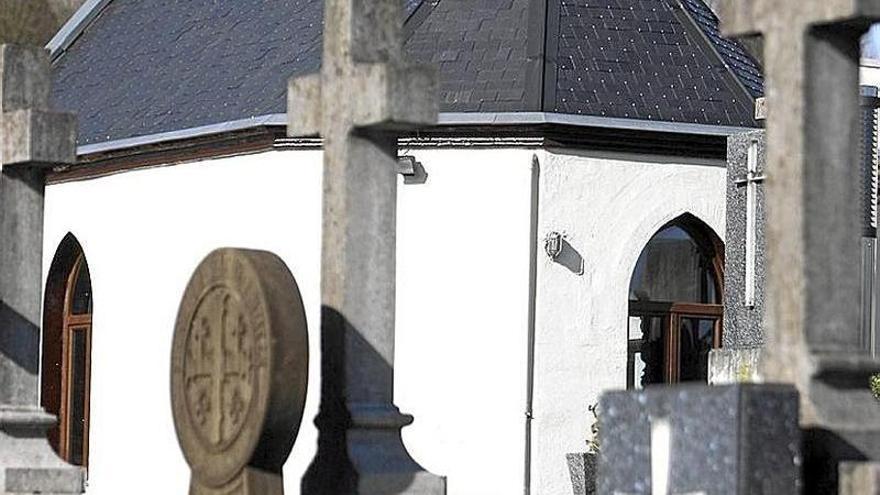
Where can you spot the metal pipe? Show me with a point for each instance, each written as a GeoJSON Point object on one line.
{"type": "Point", "coordinates": [530, 352]}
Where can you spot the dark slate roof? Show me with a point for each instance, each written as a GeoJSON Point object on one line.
{"type": "Point", "coordinates": [152, 66]}
{"type": "Point", "coordinates": [733, 52]}
{"type": "Point", "coordinates": [643, 59]}
{"type": "Point", "coordinates": [480, 47]}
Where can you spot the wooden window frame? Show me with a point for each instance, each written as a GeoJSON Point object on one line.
{"type": "Point", "coordinates": [672, 314]}
{"type": "Point", "coordinates": [72, 323]}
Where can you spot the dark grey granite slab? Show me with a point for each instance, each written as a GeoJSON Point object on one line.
{"type": "Point", "coordinates": [743, 323]}
{"type": "Point", "coordinates": [741, 439]}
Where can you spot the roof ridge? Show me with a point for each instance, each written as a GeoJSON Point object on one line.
{"type": "Point", "coordinates": [704, 38]}
{"type": "Point", "coordinates": [74, 27]}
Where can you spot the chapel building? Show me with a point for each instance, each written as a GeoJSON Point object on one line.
{"type": "Point", "coordinates": [561, 231]}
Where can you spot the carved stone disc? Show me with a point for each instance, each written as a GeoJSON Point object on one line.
{"type": "Point", "coordinates": [239, 367]}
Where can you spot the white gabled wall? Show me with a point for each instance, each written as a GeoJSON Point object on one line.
{"type": "Point", "coordinates": [461, 314]}
{"type": "Point", "coordinates": [608, 206]}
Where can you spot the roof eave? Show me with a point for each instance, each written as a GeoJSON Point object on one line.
{"type": "Point", "coordinates": [445, 120]}
{"type": "Point", "coordinates": [75, 26]}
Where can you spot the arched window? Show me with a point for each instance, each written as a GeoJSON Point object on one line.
{"type": "Point", "coordinates": [67, 346]}
{"type": "Point", "coordinates": [675, 311]}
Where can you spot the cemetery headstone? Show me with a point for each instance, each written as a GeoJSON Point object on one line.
{"type": "Point", "coordinates": [813, 330]}
{"type": "Point", "coordinates": [32, 139]}
{"type": "Point", "coordinates": [744, 270]}
{"type": "Point", "coordinates": [691, 440]}
{"type": "Point", "coordinates": [363, 97]}
{"type": "Point", "coordinates": [239, 372]}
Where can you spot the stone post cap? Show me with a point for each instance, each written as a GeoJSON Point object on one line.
{"type": "Point", "coordinates": [388, 96]}
{"type": "Point", "coordinates": [33, 22]}
{"type": "Point", "coordinates": [749, 17]}
{"type": "Point", "coordinates": [37, 138]}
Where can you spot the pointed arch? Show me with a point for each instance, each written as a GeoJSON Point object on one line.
{"type": "Point", "coordinates": [675, 308]}
{"type": "Point", "coordinates": [66, 359]}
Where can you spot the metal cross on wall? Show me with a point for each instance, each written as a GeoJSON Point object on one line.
{"type": "Point", "coordinates": [363, 95]}
{"type": "Point", "coordinates": [751, 181]}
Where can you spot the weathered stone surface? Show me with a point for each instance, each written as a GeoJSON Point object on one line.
{"type": "Point", "coordinates": [813, 252]}
{"type": "Point", "coordinates": [583, 469]}
{"type": "Point", "coordinates": [32, 137]}
{"type": "Point", "coordinates": [740, 439]}
{"type": "Point", "coordinates": [33, 22]}
{"type": "Point", "coordinates": [731, 366]}
{"type": "Point", "coordinates": [239, 372]}
{"type": "Point", "coordinates": [30, 132]}
{"type": "Point", "coordinates": [743, 322]}
{"type": "Point", "coordinates": [27, 463]}
{"type": "Point", "coordinates": [813, 324]}
{"type": "Point", "coordinates": [363, 95]}
{"type": "Point", "coordinates": [859, 478]}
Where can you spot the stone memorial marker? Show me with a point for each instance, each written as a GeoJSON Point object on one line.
{"type": "Point", "coordinates": [813, 328]}
{"type": "Point", "coordinates": [363, 96]}
{"type": "Point", "coordinates": [692, 440]}
{"type": "Point", "coordinates": [745, 248]}
{"type": "Point", "coordinates": [32, 139]}
{"type": "Point", "coordinates": [744, 263]}
{"type": "Point", "coordinates": [239, 372]}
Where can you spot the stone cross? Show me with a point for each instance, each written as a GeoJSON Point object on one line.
{"type": "Point", "coordinates": [363, 95]}
{"type": "Point", "coordinates": [750, 182]}
{"type": "Point", "coordinates": [32, 138]}
{"type": "Point", "coordinates": [813, 334]}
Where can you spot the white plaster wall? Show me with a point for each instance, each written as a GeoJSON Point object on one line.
{"type": "Point", "coordinates": [869, 72]}
{"type": "Point", "coordinates": [462, 303]}
{"type": "Point", "coordinates": [462, 306]}
{"type": "Point", "coordinates": [608, 206]}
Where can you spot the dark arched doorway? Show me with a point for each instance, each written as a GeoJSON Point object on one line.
{"type": "Point", "coordinates": [675, 311]}
{"type": "Point", "coordinates": [67, 346]}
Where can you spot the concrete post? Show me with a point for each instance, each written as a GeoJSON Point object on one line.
{"type": "Point", "coordinates": [363, 96]}
{"type": "Point", "coordinates": [32, 138]}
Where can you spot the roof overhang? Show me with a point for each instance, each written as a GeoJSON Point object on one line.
{"type": "Point", "coordinates": [522, 119]}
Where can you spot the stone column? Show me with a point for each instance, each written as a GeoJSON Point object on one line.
{"type": "Point", "coordinates": [363, 97]}
{"type": "Point", "coordinates": [813, 334]}
{"type": "Point", "coordinates": [32, 138]}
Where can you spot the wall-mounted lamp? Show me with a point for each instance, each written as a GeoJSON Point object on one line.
{"type": "Point", "coordinates": [553, 245]}
{"type": "Point", "coordinates": [413, 171]}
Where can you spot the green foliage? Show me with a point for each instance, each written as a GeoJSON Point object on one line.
{"type": "Point", "coordinates": [875, 386]}
{"type": "Point", "coordinates": [593, 445]}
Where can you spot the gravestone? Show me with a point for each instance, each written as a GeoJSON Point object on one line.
{"type": "Point", "coordinates": [32, 139]}
{"type": "Point", "coordinates": [744, 270]}
{"type": "Point", "coordinates": [690, 440]}
{"type": "Point", "coordinates": [239, 372]}
{"type": "Point", "coordinates": [363, 97]}
{"type": "Point", "coordinates": [813, 331]}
